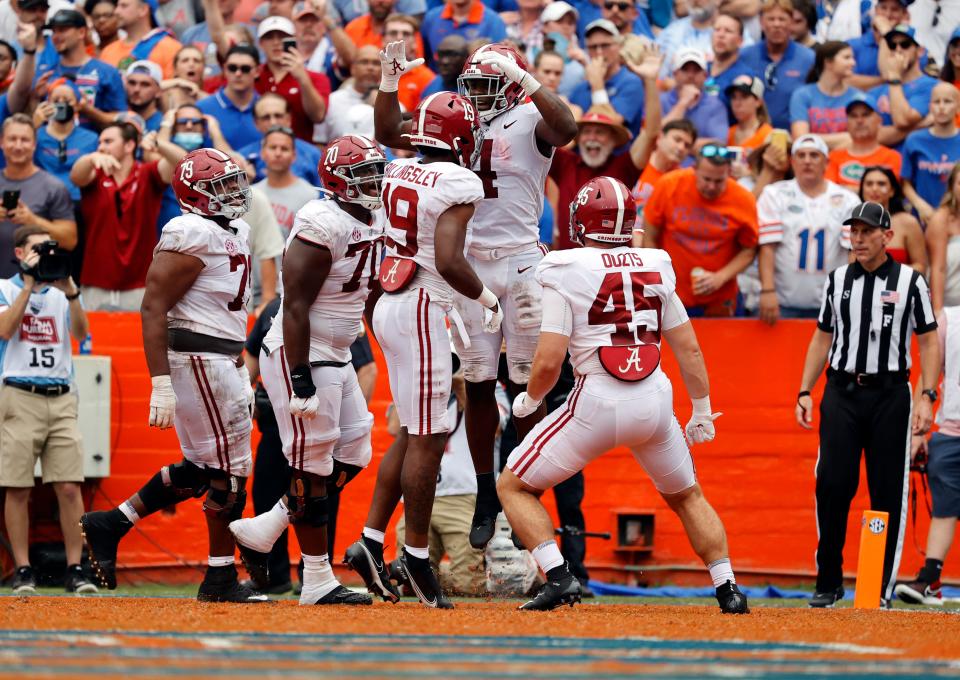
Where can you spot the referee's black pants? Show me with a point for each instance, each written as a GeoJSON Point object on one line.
{"type": "Point", "coordinates": [877, 422]}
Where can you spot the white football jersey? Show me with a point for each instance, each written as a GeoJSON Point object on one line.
{"type": "Point", "coordinates": [40, 347]}
{"type": "Point", "coordinates": [415, 194]}
{"type": "Point", "coordinates": [216, 303]}
{"type": "Point", "coordinates": [336, 316]}
{"type": "Point", "coordinates": [624, 292]}
{"type": "Point", "coordinates": [811, 238]}
{"type": "Point", "coordinates": [514, 173]}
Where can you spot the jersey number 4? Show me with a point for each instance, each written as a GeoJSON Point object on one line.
{"type": "Point", "coordinates": [486, 173]}
{"type": "Point", "coordinates": [612, 295]}
{"type": "Point", "coordinates": [404, 220]}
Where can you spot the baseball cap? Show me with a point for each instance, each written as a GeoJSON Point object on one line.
{"type": "Point", "coordinates": [955, 35]}
{"type": "Point", "coordinates": [303, 9]}
{"type": "Point", "coordinates": [67, 18]}
{"type": "Point", "coordinates": [604, 25]}
{"type": "Point", "coordinates": [597, 116]}
{"type": "Point", "coordinates": [810, 141]}
{"type": "Point", "coordinates": [746, 84]}
{"type": "Point", "coordinates": [271, 24]}
{"type": "Point", "coordinates": [865, 99]}
{"type": "Point", "coordinates": [147, 68]}
{"type": "Point", "coordinates": [555, 11]}
{"type": "Point", "coordinates": [873, 214]}
{"type": "Point", "coordinates": [903, 29]}
{"type": "Point", "coordinates": [689, 55]}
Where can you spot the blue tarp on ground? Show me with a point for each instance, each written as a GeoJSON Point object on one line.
{"type": "Point", "coordinates": [601, 588]}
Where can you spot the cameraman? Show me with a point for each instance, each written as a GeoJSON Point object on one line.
{"type": "Point", "coordinates": [38, 415]}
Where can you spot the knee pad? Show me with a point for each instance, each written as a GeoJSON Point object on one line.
{"type": "Point", "coordinates": [185, 480]}
{"type": "Point", "coordinates": [519, 370]}
{"type": "Point", "coordinates": [226, 503]}
{"type": "Point", "coordinates": [342, 474]}
{"type": "Point", "coordinates": [302, 506]}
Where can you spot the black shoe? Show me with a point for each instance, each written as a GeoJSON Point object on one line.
{"type": "Point", "coordinates": [369, 564]}
{"type": "Point", "coordinates": [484, 524]}
{"type": "Point", "coordinates": [398, 577]}
{"type": "Point", "coordinates": [272, 589]}
{"type": "Point", "coordinates": [826, 598]}
{"type": "Point", "coordinates": [341, 595]}
{"type": "Point", "coordinates": [102, 532]}
{"type": "Point", "coordinates": [221, 585]}
{"type": "Point", "coordinates": [77, 582]}
{"type": "Point", "coordinates": [555, 593]}
{"type": "Point", "coordinates": [24, 582]}
{"type": "Point", "coordinates": [585, 591]}
{"type": "Point", "coordinates": [920, 592]}
{"type": "Point", "coordinates": [423, 582]}
{"type": "Point", "coordinates": [256, 564]}
{"type": "Point", "coordinates": [731, 600]}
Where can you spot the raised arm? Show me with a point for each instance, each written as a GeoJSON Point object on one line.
{"type": "Point", "coordinates": [647, 67]}
{"type": "Point", "coordinates": [388, 124]}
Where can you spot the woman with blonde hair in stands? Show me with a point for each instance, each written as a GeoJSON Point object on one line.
{"type": "Point", "coordinates": [186, 86]}
{"type": "Point", "coordinates": [943, 244]}
{"type": "Point", "coordinates": [745, 94]}
{"type": "Point", "coordinates": [880, 185]}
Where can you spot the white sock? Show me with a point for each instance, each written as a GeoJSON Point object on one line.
{"type": "Point", "coordinates": [547, 555]}
{"type": "Point", "coordinates": [420, 553]}
{"type": "Point", "coordinates": [721, 571]}
{"type": "Point", "coordinates": [129, 512]}
{"type": "Point", "coordinates": [262, 531]}
{"type": "Point", "coordinates": [318, 578]}
{"type": "Point", "coordinates": [373, 535]}
{"type": "Point", "coordinates": [220, 561]}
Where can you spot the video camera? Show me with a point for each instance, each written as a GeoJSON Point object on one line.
{"type": "Point", "coordinates": [53, 265]}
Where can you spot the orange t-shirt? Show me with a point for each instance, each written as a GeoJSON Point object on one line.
{"type": "Point", "coordinates": [846, 169]}
{"type": "Point", "coordinates": [361, 32]}
{"type": "Point", "coordinates": [754, 141]}
{"type": "Point", "coordinates": [118, 54]}
{"type": "Point", "coordinates": [412, 84]}
{"type": "Point", "coordinates": [701, 233]}
{"type": "Point", "coordinates": [645, 185]}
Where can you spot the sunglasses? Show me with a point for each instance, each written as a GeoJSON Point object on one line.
{"type": "Point", "coordinates": [244, 69]}
{"type": "Point", "coordinates": [717, 154]}
{"type": "Point", "coordinates": [895, 45]}
{"type": "Point", "coordinates": [936, 15]}
{"type": "Point", "coordinates": [190, 121]}
{"type": "Point", "coordinates": [622, 6]}
{"type": "Point", "coordinates": [770, 75]}
{"type": "Point", "coordinates": [62, 151]}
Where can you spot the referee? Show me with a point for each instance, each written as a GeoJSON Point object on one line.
{"type": "Point", "coordinates": [869, 309]}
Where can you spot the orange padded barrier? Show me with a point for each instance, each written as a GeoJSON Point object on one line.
{"type": "Point", "coordinates": [758, 473]}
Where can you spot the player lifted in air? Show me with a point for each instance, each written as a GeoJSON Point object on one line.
{"type": "Point", "coordinates": [609, 304]}
{"type": "Point", "coordinates": [329, 269]}
{"type": "Point", "coordinates": [515, 156]}
{"type": "Point", "coordinates": [194, 325]}
{"type": "Point", "coordinates": [429, 202]}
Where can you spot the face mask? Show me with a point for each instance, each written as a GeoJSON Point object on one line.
{"type": "Point", "coordinates": [62, 112]}
{"type": "Point", "coordinates": [188, 140]}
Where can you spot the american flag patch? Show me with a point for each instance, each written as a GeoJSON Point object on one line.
{"type": "Point", "coordinates": [889, 296]}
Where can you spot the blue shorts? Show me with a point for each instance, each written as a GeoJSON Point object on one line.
{"type": "Point", "coordinates": [944, 470]}
{"type": "Point", "coordinates": [360, 353]}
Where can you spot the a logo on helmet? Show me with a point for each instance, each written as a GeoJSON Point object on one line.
{"type": "Point", "coordinates": [186, 171]}
{"type": "Point", "coordinates": [584, 195]}
{"type": "Point", "coordinates": [332, 153]}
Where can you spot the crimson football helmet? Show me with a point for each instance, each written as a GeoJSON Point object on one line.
{"type": "Point", "coordinates": [447, 121]}
{"type": "Point", "coordinates": [208, 182]}
{"type": "Point", "coordinates": [350, 164]}
{"type": "Point", "coordinates": [603, 210]}
{"type": "Point", "coordinates": [490, 91]}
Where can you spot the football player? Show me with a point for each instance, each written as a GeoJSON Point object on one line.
{"type": "Point", "coordinates": [608, 304]}
{"type": "Point", "coordinates": [194, 324]}
{"type": "Point", "coordinates": [329, 270]}
{"type": "Point", "coordinates": [429, 202]}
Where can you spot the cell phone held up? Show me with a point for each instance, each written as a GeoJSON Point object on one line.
{"type": "Point", "coordinates": [11, 199]}
{"type": "Point", "coordinates": [289, 45]}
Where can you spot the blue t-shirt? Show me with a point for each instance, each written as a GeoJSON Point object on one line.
{"type": "Point", "coordinates": [4, 108]}
{"type": "Point", "coordinates": [305, 165]}
{"type": "Point", "coordinates": [95, 79]}
{"type": "Point", "coordinates": [917, 92]}
{"type": "Point", "coordinates": [780, 78]}
{"type": "Point", "coordinates": [927, 161]}
{"type": "Point", "coordinates": [58, 157]}
{"type": "Point", "coordinates": [709, 115]}
{"type": "Point", "coordinates": [434, 86]}
{"type": "Point", "coordinates": [546, 224]}
{"type": "Point", "coordinates": [825, 113]}
{"type": "Point", "coordinates": [435, 28]}
{"type": "Point", "coordinates": [625, 90]}
{"type": "Point", "coordinates": [238, 126]}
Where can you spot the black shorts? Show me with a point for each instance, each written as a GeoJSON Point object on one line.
{"type": "Point", "coordinates": [360, 353]}
{"type": "Point", "coordinates": [944, 470]}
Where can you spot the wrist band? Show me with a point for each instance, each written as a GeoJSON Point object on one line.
{"type": "Point", "coordinates": [802, 393]}
{"type": "Point", "coordinates": [600, 97]}
{"type": "Point", "coordinates": [487, 298]}
{"type": "Point", "coordinates": [31, 52]}
{"type": "Point", "coordinates": [74, 296]}
{"type": "Point", "coordinates": [768, 290]}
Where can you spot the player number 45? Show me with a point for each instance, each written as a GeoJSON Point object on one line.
{"type": "Point", "coordinates": [612, 294]}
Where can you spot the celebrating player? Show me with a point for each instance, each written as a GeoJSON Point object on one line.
{"type": "Point", "coordinates": [517, 149]}
{"type": "Point", "coordinates": [194, 324]}
{"type": "Point", "coordinates": [608, 304]}
{"type": "Point", "coordinates": [329, 269]}
{"type": "Point", "coordinates": [429, 202]}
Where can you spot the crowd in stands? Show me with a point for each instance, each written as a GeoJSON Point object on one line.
{"type": "Point", "coordinates": [707, 108]}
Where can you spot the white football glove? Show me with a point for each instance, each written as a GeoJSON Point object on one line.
{"type": "Point", "coordinates": [700, 429]}
{"type": "Point", "coordinates": [163, 402]}
{"type": "Point", "coordinates": [511, 71]}
{"type": "Point", "coordinates": [393, 64]}
{"type": "Point", "coordinates": [492, 318]}
{"type": "Point", "coordinates": [304, 408]}
{"type": "Point", "coordinates": [248, 393]}
{"type": "Point", "coordinates": [524, 406]}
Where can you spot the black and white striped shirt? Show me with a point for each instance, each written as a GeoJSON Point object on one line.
{"type": "Point", "coordinates": [872, 315]}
